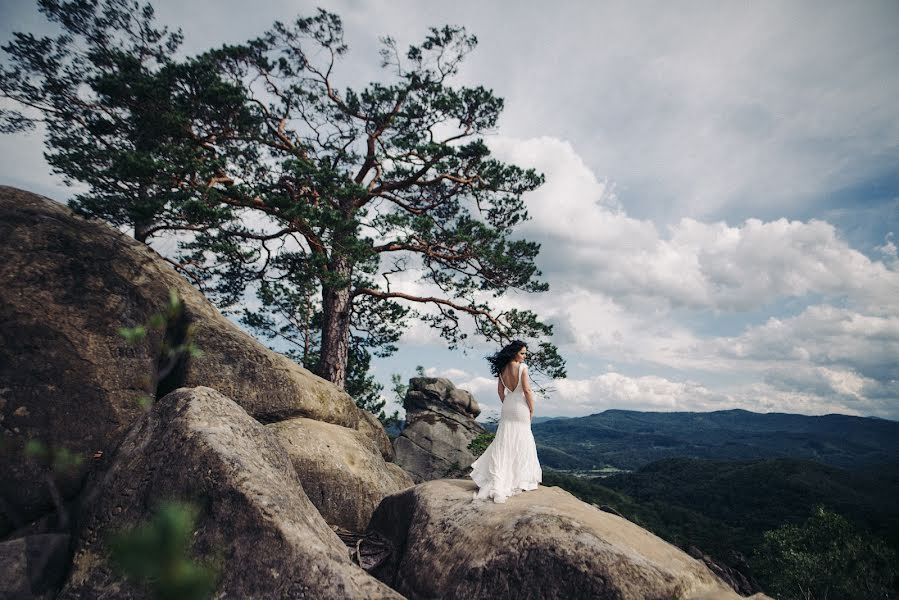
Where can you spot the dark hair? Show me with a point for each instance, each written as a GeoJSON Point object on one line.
{"type": "Point", "coordinates": [499, 360]}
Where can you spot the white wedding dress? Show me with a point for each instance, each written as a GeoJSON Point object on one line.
{"type": "Point", "coordinates": [509, 465]}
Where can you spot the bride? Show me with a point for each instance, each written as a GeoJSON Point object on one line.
{"type": "Point", "coordinates": [509, 465]}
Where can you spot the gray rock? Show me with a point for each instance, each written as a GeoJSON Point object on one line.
{"type": "Point", "coordinates": [539, 544]}
{"type": "Point", "coordinates": [341, 470]}
{"type": "Point", "coordinates": [68, 379]}
{"type": "Point", "coordinates": [442, 391]}
{"type": "Point", "coordinates": [197, 445]}
{"type": "Point", "coordinates": [32, 567]}
{"type": "Point", "coordinates": [439, 427]}
{"type": "Point", "coordinates": [371, 427]}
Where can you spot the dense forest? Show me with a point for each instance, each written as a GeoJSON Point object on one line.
{"type": "Point", "coordinates": [730, 509]}
{"type": "Point", "coordinates": [818, 494]}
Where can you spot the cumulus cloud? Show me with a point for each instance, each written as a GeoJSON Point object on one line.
{"type": "Point", "coordinates": [620, 290]}
{"type": "Point", "coordinates": [452, 374]}
{"type": "Point", "coordinates": [826, 336]}
{"type": "Point", "coordinates": [811, 391]}
{"type": "Point", "coordinates": [614, 390]}
{"type": "Point", "coordinates": [589, 241]}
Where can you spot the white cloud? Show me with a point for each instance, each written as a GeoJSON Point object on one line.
{"type": "Point", "coordinates": [453, 374]}
{"type": "Point", "coordinates": [590, 242]}
{"type": "Point", "coordinates": [619, 289]}
{"type": "Point", "coordinates": [614, 390]}
{"type": "Point", "coordinates": [813, 391]}
{"type": "Point", "coordinates": [823, 335]}
{"type": "Point", "coordinates": [889, 252]}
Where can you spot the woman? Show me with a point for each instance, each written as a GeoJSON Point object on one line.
{"type": "Point", "coordinates": [509, 465]}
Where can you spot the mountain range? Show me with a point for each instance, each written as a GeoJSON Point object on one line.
{"type": "Point", "coordinates": [628, 440]}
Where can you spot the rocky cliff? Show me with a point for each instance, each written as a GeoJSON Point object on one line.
{"type": "Point", "coordinates": [281, 465]}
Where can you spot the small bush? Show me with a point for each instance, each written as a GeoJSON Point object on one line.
{"type": "Point", "coordinates": [480, 443]}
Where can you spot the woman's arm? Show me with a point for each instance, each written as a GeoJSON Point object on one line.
{"type": "Point", "coordinates": [500, 389]}
{"type": "Point", "coordinates": [528, 394]}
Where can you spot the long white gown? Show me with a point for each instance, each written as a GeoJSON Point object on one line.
{"type": "Point", "coordinates": [509, 465]}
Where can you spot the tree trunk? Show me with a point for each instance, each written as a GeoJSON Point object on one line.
{"type": "Point", "coordinates": [142, 224]}
{"type": "Point", "coordinates": [140, 231]}
{"type": "Point", "coordinates": [336, 307]}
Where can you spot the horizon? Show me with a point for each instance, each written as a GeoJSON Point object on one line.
{"type": "Point", "coordinates": [700, 412]}
{"type": "Point", "coordinates": [718, 223]}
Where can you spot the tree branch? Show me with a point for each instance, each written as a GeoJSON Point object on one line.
{"type": "Point", "coordinates": [373, 137]}
{"type": "Point", "coordinates": [471, 310]}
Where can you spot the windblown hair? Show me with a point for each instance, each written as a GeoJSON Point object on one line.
{"type": "Point", "coordinates": [499, 360]}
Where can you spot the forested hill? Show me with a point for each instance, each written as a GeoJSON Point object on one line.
{"type": "Point", "coordinates": [630, 439]}
{"type": "Point", "coordinates": [724, 508]}
{"type": "Point", "coordinates": [739, 494]}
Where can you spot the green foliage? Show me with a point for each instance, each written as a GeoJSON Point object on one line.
{"type": "Point", "coordinates": [57, 458]}
{"type": "Point", "coordinates": [480, 443]}
{"type": "Point", "coordinates": [361, 385]}
{"type": "Point", "coordinates": [54, 462]}
{"type": "Point", "coordinates": [293, 319]}
{"type": "Point", "coordinates": [177, 340]}
{"type": "Point", "coordinates": [452, 470]}
{"type": "Point", "coordinates": [744, 498]}
{"type": "Point", "coordinates": [826, 557]}
{"type": "Point", "coordinates": [399, 388]}
{"type": "Point", "coordinates": [157, 553]}
{"type": "Point", "coordinates": [371, 167]}
{"type": "Point", "coordinates": [121, 115]}
{"type": "Point", "coordinates": [133, 335]}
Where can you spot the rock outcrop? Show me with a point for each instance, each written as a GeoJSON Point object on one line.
{"type": "Point", "coordinates": [69, 380]}
{"type": "Point", "coordinates": [271, 456]}
{"type": "Point", "coordinates": [440, 424]}
{"type": "Point", "coordinates": [341, 470]}
{"type": "Point", "coordinates": [199, 446]}
{"type": "Point", "coordinates": [540, 544]}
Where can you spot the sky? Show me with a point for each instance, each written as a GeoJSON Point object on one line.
{"type": "Point", "coordinates": [720, 218]}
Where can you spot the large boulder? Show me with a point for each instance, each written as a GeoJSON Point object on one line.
{"type": "Point", "coordinates": [69, 380]}
{"type": "Point", "coordinates": [196, 445]}
{"type": "Point", "coordinates": [341, 470]}
{"type": "Point", "coordinates": [440, 425]}
{"type": "Point", "coordinates": [540, 544]}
